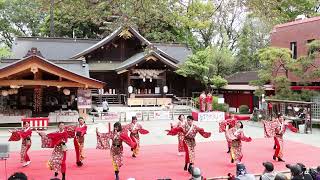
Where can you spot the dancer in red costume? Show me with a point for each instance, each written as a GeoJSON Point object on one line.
{"type": "Point", "coordinates": [202, 102]}
{"type": "Point", "coordinates": [25, 135]}
{"type": "Point", "coordinates": [117, 136]}
{"type": "Point", "coordinates": [56, 140]}
{"type": "Point", "coordinates": [227, 124]}
{"type": "Point", "coordinates": [277, 129]}
{"type": "Point", "coordinates": [209, 101]}
{"type": "Point", "coordinates": [78, 140]}
{"type": "Point", "coordinates": [189, 131]}
{"type": "Point", "coordinates": [236, 136]}
{"type": "Point", "coordinates": [135, 129]}
{"type": "Point", "coordinates": [180, 123]}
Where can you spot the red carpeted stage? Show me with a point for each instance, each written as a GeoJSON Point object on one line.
{"type": "Point", "coordinates": [160, 161]}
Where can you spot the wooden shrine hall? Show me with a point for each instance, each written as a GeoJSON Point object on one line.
{"type": "Point", "coordinates": [135, 71]}
{"type": "Point", "coordinates": [36, 87]}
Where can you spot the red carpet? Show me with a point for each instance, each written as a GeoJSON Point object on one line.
{"type": "Point", "coordinates": [160, 161]}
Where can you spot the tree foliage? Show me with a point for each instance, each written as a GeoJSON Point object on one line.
{"type": "Point", "coordinates": [218, 81]}
{"type": "Point", "coordinates": [281, 11]}
{"type": "Point", "coordinates": [208, 64]}
{"type": "Point", "coordinates": [19, 18]}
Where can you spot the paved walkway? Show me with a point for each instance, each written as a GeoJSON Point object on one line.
{"type": "Point", "coordinates": [158, 135]}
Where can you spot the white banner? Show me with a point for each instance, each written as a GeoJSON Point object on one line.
{"type": "Point", "coordinates": [129, 115]}
{"type": "Point", "coordinates": [161, 115]}
{"type": "Point", "coordinates": [111, 116]}
{"type": "Point", "coordinates": [211, 116]}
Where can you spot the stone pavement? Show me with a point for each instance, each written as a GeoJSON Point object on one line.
{"type": "Point", "coordinates": [158, 135]}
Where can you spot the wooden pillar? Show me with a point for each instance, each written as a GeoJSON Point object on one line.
{"type": "Point", "coordinates": [38, 91]}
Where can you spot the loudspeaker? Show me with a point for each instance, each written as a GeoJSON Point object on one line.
{"type": "Point", "coordinates": [4, 151]}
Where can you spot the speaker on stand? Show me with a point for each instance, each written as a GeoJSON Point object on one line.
{"type": "Point", "coordinates": [4, 155]}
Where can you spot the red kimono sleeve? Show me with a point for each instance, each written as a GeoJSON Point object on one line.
{"type": "Point", "coordinates": [125, 138]}
{"type": "Point", "coordinates": [70, 131]}
{"type": "Point", "coordinates": [24, 134]}
{"type": "Point", "coordinates": [103, 140]}
{"type": "Point", "coordinates": [174, 131]}
{"type": "Point", "coordinates": [143, 131]}
{"type": "Point", "coordinates": [292, 128]}
{"type": "Point", "coordinates": [203, 133]}
{"type": "Point", "coordinates": [46, 142]}
{"type": "Point", "coordinates": [222, 126]}
{"type": "Point", "coordinates": [81, 130]}
{"type": "Point", "coordinates": [242, 137]}
{"type": "Point", "coordinates": [57, 137]}
{"type": "Point", "coordinates": [15, 136]}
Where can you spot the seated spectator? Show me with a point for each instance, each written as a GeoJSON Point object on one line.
{"type": "Point", "coordinates": [281, 176]}
{"type": "Point", "coordinates": [268, 173]}
{"type": "Point", "coordinates": [306, 175]}
{"type": "Point", "coordinates": [196, 174]}
{"type": "Point", "coordinates": [318, 175]}
{"type": "Point", "coordinates": [242, 173]}
{"type": "Point", "coordinates": [296, 172]}
{"type": "Point", "coordinates": [18, 176]}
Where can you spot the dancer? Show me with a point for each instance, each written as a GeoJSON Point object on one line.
{"type": "Point", "coordinates": [189, 131]}
{"type": "Point", "coordinates": [227, 124]}
{"type": "Point", "coordinates": [277, 129]}
{"type": "Point", "coordinates": [180, 123]}
{"type": "Point", "coordinates": [56, 140]}
{"type": "Point", "coordinates": [78, 140]}
{"type": "Point", "coordinates": [135, 128]}
{"type": "Point", "coordinates": [209, 102]}
{"type": "Point", "coordinates": [202, 101]}
{"type": "Point", "coordinates": [116, 136]}
{"type": "Point", "coordinates": [25, 135]}
{"type": "Point", "coordinates": [236, 135]}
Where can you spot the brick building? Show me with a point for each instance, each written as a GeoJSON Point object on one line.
{"type": "Point", "coordinates": [295, 36]}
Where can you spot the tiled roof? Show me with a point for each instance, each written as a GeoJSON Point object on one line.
{"type": "Point", "coordinates": [242, 77]}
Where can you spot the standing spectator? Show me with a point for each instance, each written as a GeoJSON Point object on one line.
{"type": "Point", "coordinates": [242, 173]}
{"type": "Point", "coordinates": [281, 176]}
{"type": "Point", "coordinates": [268, 173]}
{"type": "Point", "coordinates": [296, 172]}
{"type": "Point", "coordinates": [105, 106]}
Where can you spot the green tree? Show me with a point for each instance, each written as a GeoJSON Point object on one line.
{"type": "Point", "coordinates": [253, 36]}
{"type": "Point", "coordinates": [207, 64]}
{"type": "Point", "coordinates": [196, 22]}
{"type": "Point", "coordinates": [19, 18]}
{"type": "Point", "coordinates": [281, 11]}
{"type": "Point", "coordinates": [4, 52]}
{"type": "Point", "coordinates": [218, 82]}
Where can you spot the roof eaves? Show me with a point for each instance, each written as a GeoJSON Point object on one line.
{"type": "Point", "coordinates": [138, 60]}
{"type": "Point", "coordinates": [51, 63]}
{"type": "Point", "coordinates": [99, 44]}
{"type": "Point", "coordinates": [139, 36]}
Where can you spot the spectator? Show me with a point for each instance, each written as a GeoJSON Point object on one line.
{"type": "Point", "coordinates": [105, 106]}
{"type": "Point", "coordinates": [242, 173]}
{"type": "Point", "coordinates": [281, 176]}
{"type": "Point", "coordinates": [268, 173]}
{"type": "Point", "coordinates": [296, 172]}
{"type": "Point", "coordinates": [196, 174]}
{"type": "Point", "coordinates": [318, 175]}
{"type": "Point", "coordinates": [306, 175]}
{"type": "Point", "coordinates": [18, 176]}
